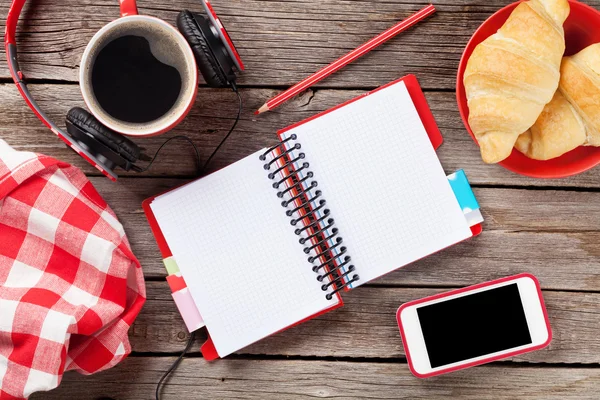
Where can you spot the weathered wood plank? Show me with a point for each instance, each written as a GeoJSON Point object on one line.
{"type": "Point", "coordinates": [562, 260]}
{"type": "Point", "coordinates": [213, 115]}
{"type": "Point", "coordinates": [509, 210]}
{"type": "Point", "coordinates": [543, 232]}
{"type": "Point", "coordinates": [281, 379]}
{"type": "Point", "coordinates": [366, 327]}
{"type": "Point", "coordinates": [281, 42]}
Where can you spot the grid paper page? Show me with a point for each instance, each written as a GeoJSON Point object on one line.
{"type": "Point", "coordinates": [383, 182]}
{"type": "Point", "coordinates": [239, 255]}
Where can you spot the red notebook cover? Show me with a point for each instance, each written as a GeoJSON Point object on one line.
{"type": "Point", "coordinates": [208, 349]}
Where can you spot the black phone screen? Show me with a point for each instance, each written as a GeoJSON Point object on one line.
{"type": "Point", "coordinates": [474, 325]}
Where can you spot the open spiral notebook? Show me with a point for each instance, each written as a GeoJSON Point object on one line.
{"type": "Point", "coordinates": [274, 239]}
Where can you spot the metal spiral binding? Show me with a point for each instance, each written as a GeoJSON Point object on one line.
{"type": "Point", "coordinates": [318, 231]}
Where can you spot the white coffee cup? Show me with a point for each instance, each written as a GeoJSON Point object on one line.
{"type": "Point", "coordinates": [166, 44]}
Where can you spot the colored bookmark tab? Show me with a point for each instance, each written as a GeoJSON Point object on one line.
{"type": "Point", "coordinates": [465, 196]}
{"type": "Point", "coordinates": [188, 310]}
{"type": "Point", "coordinates": [176, 283]}
{"type": "Point", "coordinates": [171, 266]}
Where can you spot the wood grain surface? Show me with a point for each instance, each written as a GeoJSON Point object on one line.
{"type": "Point", "coordinates": [366, 327]}
{"type": "Point", "coordinates": [540, 231]}
{"type": "Point", "coordinates": [550, 228]}
{"type": "Point", "coordinates": [280, 41]}
{"type": "Point", "coordinates": [300, 379]}
{"type": "Point", "coordinates": [213, 115]}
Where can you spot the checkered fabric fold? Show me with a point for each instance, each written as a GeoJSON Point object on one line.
{"type": "Point", "coordinates": [70, 286]}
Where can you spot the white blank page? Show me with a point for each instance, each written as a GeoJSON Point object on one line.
{"type": "Point", "coordinates": [383, 182]}
{"type": "Point", "coordinates": [239, 255]}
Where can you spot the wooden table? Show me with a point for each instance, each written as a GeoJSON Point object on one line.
{"type": "Point", "coordinates": [549, 228]}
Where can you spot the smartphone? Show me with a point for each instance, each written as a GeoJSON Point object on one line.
{"type": "Point", "coordinates": [475, 325]}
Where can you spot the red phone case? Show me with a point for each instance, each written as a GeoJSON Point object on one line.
{"type": "Point", "coordinates": [463, 290]}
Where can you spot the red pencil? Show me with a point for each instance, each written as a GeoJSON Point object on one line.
{"type": "Point", "coordinates": [347, 59]}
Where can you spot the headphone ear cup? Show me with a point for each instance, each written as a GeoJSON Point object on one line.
{"type": "Point", "coordinates": [88, 125]}
{"type": "Point", "coordinates": [207, 64]}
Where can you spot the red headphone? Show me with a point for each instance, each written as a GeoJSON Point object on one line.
{"type": "Point", "coordinates": [216, 57]}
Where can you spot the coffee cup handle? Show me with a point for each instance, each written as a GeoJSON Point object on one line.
{"type": "Point", "coordinates": [128, 7]}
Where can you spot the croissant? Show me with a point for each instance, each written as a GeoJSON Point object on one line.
{"type": "Point", "coordinates": [572, 118]}
{"type": "Point", "coordinates": [513, 74]}
{"type": "Point", "coordinates": [557, 131]}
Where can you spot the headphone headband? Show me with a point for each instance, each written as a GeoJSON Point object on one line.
{"type": "Point", "coordinates": [13, 64]}
{"type": "Point", "coordinates": [223, 35]}
{"type": "Point", "coordinates": [11, 21]}
{"type": "Point", "coordinates": [86, 149]}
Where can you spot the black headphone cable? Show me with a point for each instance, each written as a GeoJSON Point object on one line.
{"type": "Point", "coordinates": [201, 168]}
{"type": "Point", "coordinates": [200, 171]}
{"type": "Point", "coordinates": [175, 364]}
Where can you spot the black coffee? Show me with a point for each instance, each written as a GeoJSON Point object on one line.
{"type": "Point", "coordinates": [130, 84]}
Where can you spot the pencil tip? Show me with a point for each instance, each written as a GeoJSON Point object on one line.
{"type": "Point", "coordinates": [261, 110]}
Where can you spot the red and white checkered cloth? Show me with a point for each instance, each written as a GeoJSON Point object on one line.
{"type": "Point", "coordinates": [70, 287]}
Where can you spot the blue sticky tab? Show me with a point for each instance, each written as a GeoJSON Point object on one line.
{"type": "Point", "coordinates": [463, 192]}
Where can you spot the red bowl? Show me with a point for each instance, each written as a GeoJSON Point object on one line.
{"type": "Point", "coordinates": [581, 30]}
